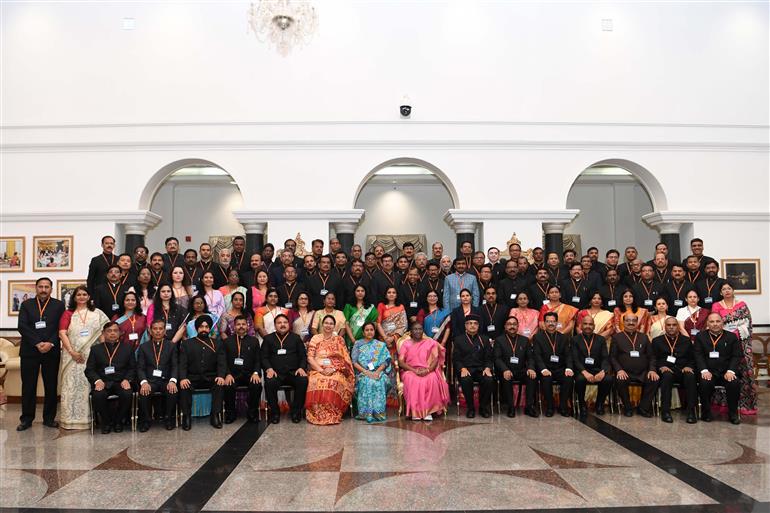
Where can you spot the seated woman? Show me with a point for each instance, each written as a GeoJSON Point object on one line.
{"type": "Point", "coordinates": [330, 380]}
{"type": "Point", "coordinates": [371, 360]}
{"type": "Point", "coordinates": [357, 315]}
{"type": "Point", "coordinates": [199, 306]}
{"type": "Point", "coordinates": [566, 314]}
{"type": "Point", "coordinates": [233, 285]}
{"type": "Point", "coordinates": [237, 307]}
{"type": "Point", "coordinates": [692, 318]}
{"type": "Point", "coordinates": [425, 389]}
{"type": "Point", "coordinates": [630, 306]}
{"type": "Point", "coordinates": [132, 323]}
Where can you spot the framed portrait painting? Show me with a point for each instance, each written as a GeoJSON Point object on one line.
{"type": "Point", "coordinates": [12, 253]}
{"type": "Point", "coordinates": [18, 292]}
{"type": "Point", "coordinates": [744, 274]}
{"type": "Point", "coordinates": [52, 253]}
{"type": "Point", "coordinates": [65, 289]}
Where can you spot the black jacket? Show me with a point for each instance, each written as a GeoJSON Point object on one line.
{"type": "Point", "coordinates": [518, 347]}
{"type": "Point", "coordinates": [295, 357]}
{"type": "Point", "coordinates": [472, 353]}
{"type": "Point", "coordinates": [122, 360]}
{"type": "Point", "coordinates": [29, 316]}
{"type": "Point", "coordinates": [683, 352]}
{"type": "Point", "coordinates": [599, 353]}
{"type": "Point", "coordinates": [729, 348]}
{"type": "Point", "coordinates": [167, 358]}
{"type": "Point", "coordinates": [249, 353]}
{"type": "Point", "coordinates": [543, 352]}
{"type": "Point", "coordinates": [198, 362]}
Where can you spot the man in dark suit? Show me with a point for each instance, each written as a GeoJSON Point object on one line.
{"type": "Point", "coordinates": [243, 369]}
{"type": "Point", "coordinates": [675, 361]}
{"type": "Point", "coordinates": [633, 359]}
{"type": "Point", "coordinates": [40, 350]}
{"type": "Point", "coordinates": [473, 362]}
{"type": "Point", "coordinates": [157, 372]}
{"type": "Point", "coordinates": [591, 359]}
{"type": "Point", "coordinates": [553, 361]}
{"type": "Point", "coordinates": [201, 366]}
{"type": "Point", "coordinates": [111, 368]}
{"type": "Point", "coordinates": [108, 297]}
{"type": "Point", "coordinates": [284, 359]}
{"type": "Point", "coordinates": [717, 353]}
{"type": "Point", "coordinates": [323, 282]}
{"type": "Point", "coordinates": [514, 362]}
{"type": "Point", "coordinates": [97, 268]}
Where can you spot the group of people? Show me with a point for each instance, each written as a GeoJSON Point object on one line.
{"type": "Point", "coordinates": [361, 329]}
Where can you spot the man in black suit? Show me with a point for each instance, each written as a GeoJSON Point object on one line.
{"type": "Point", "coordinates": [675, 361]}
{"type": "Point", "coordinates": [514, 362]}
{"type": "Point", "coordinates": [553, 361]}
{"type": "Point", "coordinates": [591, 359]}
{"type": "Point", "coordinates": [108, 297]}
{"type": "Point", "coordinates": [323, 282]}
{"type": "Point", "coordinates": [111, 368]}
{"type": "Point", "coordinates": [40, 350]}
{"type": "Point", "coordinates": [633, 359]}
{"type": "Point", "coordinates": [473, 362]}
{"type": "Point", "coordinates": [157, 372]}
{"type": "Point", "coordinates": [97, 268]}
{"type": "Point", "coordinates": [717, 353]}
{"type": "Point", "coordinates": [243, 369]}
{"type": "Point", "coordinates": [201, 366]}
{"type": "Point", "coordinates": [284, 359]}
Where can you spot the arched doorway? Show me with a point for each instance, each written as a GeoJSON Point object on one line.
{"type": "Point", "coordinates": [195, 199]}
{"type": "Point", "coordinates": [405, 199]}
{"type": "Point", "coordinates": [612, 196]}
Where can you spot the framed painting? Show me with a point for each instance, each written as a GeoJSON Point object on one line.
{"type": "Point", "coordinates": [52, 253]}
{"type": "Point", "coordinates": [744, 274]}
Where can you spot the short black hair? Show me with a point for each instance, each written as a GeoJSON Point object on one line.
{"type": "Point", "coordinates": [44, 278]}
{"type": "Point", "coordinates": [611, 251]}
{"type": "Point", "coordinates": [407, 245]}
{"type": "Point", "coordinates": [108, 237]}
{"type": "Point", "coordinates": [169, 239]}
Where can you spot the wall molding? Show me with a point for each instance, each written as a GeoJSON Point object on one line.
{"type": "Point", "coordinates": [479, 216]}
{"type": "Point", "coordinates": [145, 217]}
{"type": "Point", "coordinates": [353, 215]}
{"type": "Point", "coordinates": [656, 218]}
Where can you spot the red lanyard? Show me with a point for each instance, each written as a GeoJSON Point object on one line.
{"type": "Point", "coordinates": [633, 342]}
{"type": "Point", "coordinates": [157, 353]}
{"type": "Point", "coordinates": [210, 346]}
{"type": "Point", "coordinates": [552, 342]}
{"type": "Point", "coordinates": [588, 346]}
{"type": "Point", "coordinates": [42, 309]}
{"type": "Point", "coordinates": [110, 356]}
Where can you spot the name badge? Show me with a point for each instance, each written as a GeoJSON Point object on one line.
{"type": "Point", "coordinates": [458, 297]}
{"type": "Point", "coordinates": [413, 304]}
{"type": "Point", "coordinates": [324, 292]}
{"type": "Point", "coordinates": [545, 301]}
{"type": "Point", "coordinates": [326, 361]}
{"type": "Point", "coordinates": [559, 325]}
{"type": "Point", "coordinates": [435, 329]}
{"type": "Point", "coordinates": [514, 360]}
{"type": "Point", "coordinates": [491, 327]}
{"type": "Point", "coordinates": [483, 301]}
{"type": "Point", "coordinates": [133, 336]}
{"type": "Point", "coordinates": [360, 322]}
{"type": "Point", "coordinates": [708, 300]}
{"type": "Point", "coordinates": [555, 358]}
{"type": "Point", "coordinates": [84, 332]}
{"type": "Point", "coordinates": [168, 326]}
{"type": "Point", "coordinates": [304, 332]}
{"type": "Point", "coordinates": [678, 302]}
{"type": "Point", "coordinates": [513, 296]}
{"type": "Point", "coordinates": [115, 307]}
{"type": "Point", "coordinates": [634, 354]}
{"type": "Point", "coordinates": [589, 361]}
{"type": "Point", "coordinates": [40, 325]}
{"type": "Point", "coordinates": [238, 361]}
{"type": "Point", "coordinates": [288, 305]}
{"type": "Point", "coordinates": [281, 351]}
{"type": "Point", "coordinates": [713, 354]}
{"type": "Point", "coordinates": [648, 302]}
{"type": "Point", "coordinates": [694, 331]}
{"type": "Point", "coordinates": [671, 359]}
{"type": "Point", "coordinates": [576, 299]}
{"type": "Point", "coordinates": [109, 370]}
{"type": "Point", "coordinates": [370, 366]}
{"type": "Point", "coordinates": [526, 332]}
{"type": "Point", "coordinates": [157, 373]}
{"type": "Point", "coordinates": [612, 302]}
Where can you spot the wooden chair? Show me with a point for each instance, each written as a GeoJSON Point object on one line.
{"type": "Point", "coordinates": [760, 356]}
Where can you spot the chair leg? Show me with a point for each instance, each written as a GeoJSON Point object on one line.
{"type": "Point", "coordinates": [91, 411]}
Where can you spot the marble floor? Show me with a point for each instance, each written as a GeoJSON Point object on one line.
{"type": "Point", "coordinates": [607, 464]}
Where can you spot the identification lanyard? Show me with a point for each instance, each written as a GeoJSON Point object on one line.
{"type": "Point", "coordinates": [42, 309]}
{"type": "Point", "coordinates": [157, 279]}
{"type": "Point", "coordinates": [678, 290]}
{"type": "Point", "coordinates": [224, 273]}
{"type": "Point", "coordinates": [207, 266]}
{"type": "Point", "coordinates": [612, 290]}
{"type": "Point", "coordinates": [157, 353]}
{"type": "Point", "coordinates": [110, 356]}
{"type": "Point", "coordinates": [709, 287]}
{"type": "Point", "coordinates": [207, 344]}
{"type": "Point", "coordinates": [172, 261]}
{"type": "Point", "coordinates": [389, 277]}
{"type": "Point", "coordinates": [192, 276]}
{"type": "Point", "coordinates": [689, 275]}
{"type": "Point", "coordinates": [114, 290]}
{"type": "Point", "coordinates": [588, 346]}
{"type": "Point", "coordinates": [671, 345]}
{"type": "Point", "coordinates": [461, 277]}
{"type": "Point", "coordinates": [280, 340]}
{"type": "Point", "coordinates": [633, 342]}
{"type": "Point", "coordinates": [492, 313]}
{"type": "Point", "coordinates": [551, 342]}
{"type": "Point", "coordinates": [473, 345]}
{"type": "Point", "coordinates": [647, 291]}
{"type": "Point", "coordinates": [238, 343]}
{"type": "Point", "coordinates": [323, 280]}
{"type": "Point", "coordinates": [412, 291]}
{"type": "Point", "coordinates": [661, 276]}
{"type": "Point", "coordinates": [111, 261]}
{"type": "Point", "coordinates": [715, 342]}
{"type": "Point", "coordinates": [133, 323]}
{"type": "Point", "coordinates": [694, 315]}
{"type": "Point", "coordinates": [513, 344]}
{"type": "Point", "coordinates": [575, 286]}
{"type": "Point", "coordinates": [84, 317]}
{"type": "Point", "coordinates": [240, 260]}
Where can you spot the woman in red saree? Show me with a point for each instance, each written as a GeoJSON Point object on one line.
{"type": "Point", "coordinates": [331, 380]}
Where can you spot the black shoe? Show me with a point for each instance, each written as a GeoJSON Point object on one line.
{"type": "Point", "coordinates": [485, 413]}
{"type": "Point", "coordinates": [549, 412]}
{"type": "Point", "coordinates": [229, 419]}
{"type": "Point", "coordinates": [471, 413]}
{"type": "Point", "coordinates": [275, 419]}
{"type": "Point", "coordinates": [705, 416]}
{"type": "Point", "coordinates": [253, 420]}
{"type": "Point", "coordinates": [628, 412]}
{"type": "Point", "coordinates": [215, 422]}
{"type": "Point", "coordinates": [600, 409]}
{"type": "Point", "coordinates": [666, 417]}
{"type": "Point", "coordinates": [735, 419]}
{"type": "Point", "coordinates": [170, 426]}
{"type": "Point", "coordinates": [186, 423]}
{"type": "Point", "coordinates": [531, 412]}
{"type": "Point", "coordinates": [118, 427]}
{"type": "Point", "coordinates": [296, 418]}
{"type": "Point", "coordinates": [23, 426]}
{"type": "Point", "coordinates": [106, 429]}
{"type": "Point", "coordinates": [51, 423]}
{"type": "Point", "coordinates": [511, 412]}
{"type": "Point", "coordinates": [691, 417]}
{"type": "Point", "coordinates": [144, 427]}
{"type": "Point", "coordinates": [582, 414]}
{"type": "Point", "coordinates": [644, 413]}
{"type": "Point", "coordinates": [564, 412]}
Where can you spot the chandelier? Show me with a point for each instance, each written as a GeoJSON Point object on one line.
{"type": "Point", "coordinates": [284, 24]}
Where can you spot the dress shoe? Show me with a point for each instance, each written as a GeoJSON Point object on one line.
{"type": "Point", "coordinates": [275, 419]}
{"type": "Point", "coordinates": [144, 427]}
{"type": "Point", "coordinates": [564, 412]}
{"type": "Point", "coordinates": [600, 409]}
{"type": "Point", "coordinates": [51, 423]}
{"type": "Point", "coordinates": [549, 412]}
{"type": "Point", "coordinates": [471, 413]}
{"type": "Point", "coordinates": [118, 427]}
{"type": "Point", "coordinates": [186, 423]}
{"type": "Point", "coordinates": [296, 418]}
{"type": "Point", "coordinates": [229, 419]}
{"type": "Point", "coordinates": [691, 417]}
{"type": "Point", "coordinates": [215, 422]}
{"type": "Point", "coordinates": [484, 413]}
{"type": "Point", "coordinates": [666, 417]}
{"type": "Point", "coordinates": [106, 429]}
{"type": "Point", "coordinates": [582, 414]}
{"type": "Point", "coordinates": [511, 412]}
{"type": "Point", "coordinates": [628, 412]}
{"type": "Point", "coordinates": [735, 419]}
{"type": "Point", "coordinates": [170, 426]}
{"type": "Point", "coordinates": [644, 413]}
{"type": "Point", "coordinates": [253, 420]}
{"type": "Point", "coordinates": [531, 412]}
{"type": "Point", "coordinates": [23, 426]}
{"type": "Point", "coordinates": [705, 416]}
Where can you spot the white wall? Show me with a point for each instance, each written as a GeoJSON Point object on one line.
{"type": "Point", "coordinates": [406, 209]}
{"type": "Point", "coordinates": [610, 215]}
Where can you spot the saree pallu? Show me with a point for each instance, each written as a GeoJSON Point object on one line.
{"type": "Point", "coordinates": [528, 321]}
{"type": "Point", "coordinates": [75, 388]}
{"type": "Point", "coordinates": [427, 394]}
{"type": "Point", "coordinates": [227, 295]}
{"type": "Point", "coordinates": [329, 396]}
{"type": "Point", "coordinates": [393, 320]}
{"type": "Point", "coordinates": [371, 394]}
{"type": "Point", "coordinates": [738, 320]}
{"type": "Point", "coordinates": [356, 318]}
{"type": "Point", "coordinates": [130, 325]}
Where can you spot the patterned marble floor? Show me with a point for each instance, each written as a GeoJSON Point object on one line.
{"type": "Point", "coordinates": [454, 464]}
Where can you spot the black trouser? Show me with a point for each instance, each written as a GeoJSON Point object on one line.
{"type": "Point", "coordinates": [185, 396]}
{"type": "Point", "coordinates": [648, 390]}
{"type": "Point", "coordinates": [255, 391]}
{"type": "Point", "coordinates": [603, 387]}
{"type": "Point", "coordinates": [565, 388]}
{"type": "Point", "coordinates": [299, 383]}
{"type": "Point", "coordinates": [524, 380]}
{"type": "Point", "coordinates": [485, 388]}
{"type": "Point", "coordinates": [99, 398]}
{"type": "Point", "coordinates": [31, 366]}
{"type": "Point", "coordinates": [732, 390]}
{"type": "Point", "coordinates": [145, 401]}
{"type": "Point", "coordinates": [687, 380]}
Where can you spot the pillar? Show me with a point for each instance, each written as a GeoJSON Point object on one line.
{"type": "Point", "coordinates": [255, 236]}
{"type": "Point", "coordinates": [345, 232]}
{"type": "Point", "coordinates": [466, 232]}
{"type": "Point", "coordinates": [554, 237]}
{"type": "Point", "coordinates": [136, 225]}
{"type": "Point", "coordinates": [669, 230]}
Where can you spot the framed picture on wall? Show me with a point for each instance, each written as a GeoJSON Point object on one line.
{"type": "Point", "coordinates": [743, 274]}
{"type": "Point", "coordinates": [52, 253]}
{"type": "Point", "coordinates": [65, 289]}
{"type": "Point", "coordinates": [18, 292]}
{"type": "Point", "coordinates": [12, 253]}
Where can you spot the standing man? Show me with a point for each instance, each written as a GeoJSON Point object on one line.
{"type": "Point", "coordinates": [514, 362]}
{"type": "Point", "coordinates": [710, 287]}
{"type": "Point", "coordinates": [437, 249]}
{"type": "Point", "coordinates": [577, 291]}
{"type": "Point", "coordinates": [108, 297]}
{"type": "Point", "coordinates": [140, 258]}
{"type": "Point", "coordinates": [241, 259]}
{"type": "Point", "coordinates": [458, 281]}
{"type": "Point", "coordinates": [171, 258]}
{"type": "Point", "coordinates": [696, 249]}
{"type": "Point", "coordinates": [323, 282]}
{"type": "Point", "coordinates": [647, 290]}
{"type": "Point", "coordinates": [40, 350]}
{"type": "Point", "coordinates": [97, 269]}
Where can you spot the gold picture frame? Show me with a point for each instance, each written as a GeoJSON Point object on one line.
{"type": "Point", "coordinates": [52, 253]}
{"type": "Point", "coordinates": [744, 274]}
{"type": "Point", "coordinates": [64, 287]}
{"type": "Point", "coordinates": [18, 292]}
{"type": "Point", "coordinates": [10, 259]}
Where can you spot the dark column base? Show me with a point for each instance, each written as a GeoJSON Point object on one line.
{"type": "Point", "coordinates": [465, 237]}
{"type": "Point", "coordinates": [132, 241]}
{"type": "Point", "coordinates": [672, 241]}
{"type": "Point", "coordinates": [346, 239]}
{"type": "Point", "coordinates": [254, 243]}
{"type": "Point", "coordinates": [554, 242]}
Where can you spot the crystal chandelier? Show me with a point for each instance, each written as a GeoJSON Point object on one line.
{"type": "Point", "coordinates": [284, 24]}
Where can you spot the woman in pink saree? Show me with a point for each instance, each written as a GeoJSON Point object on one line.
{"type": "Point", "coordinates": [425, 390]}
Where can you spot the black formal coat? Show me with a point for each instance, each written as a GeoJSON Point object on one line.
{"type": "Point", "coordinates": [295, 357]}
{"type": "Point", "coordinates": [29, 316]}
{"type": "Point", "coordinates": [122, 360]}
{"type": "Point", "coordinates": [599, 353]}
{"type": "Point", "coordinates": [167, 362]}
{"type": "Point", "coordinates": [248, 352]}
{"type": "Point", "coordinates": [472, 353]}
{"type": "Point", "coordinates": [728, 346]}
{"type": "Point", "coordinates": [542, 350]}
{"type": "Point", "coordinates": [197, 362]}
{"type": "Point", "coordinates": [518, 347]}
{"type": "Point", "coordinates": [684, 352]}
